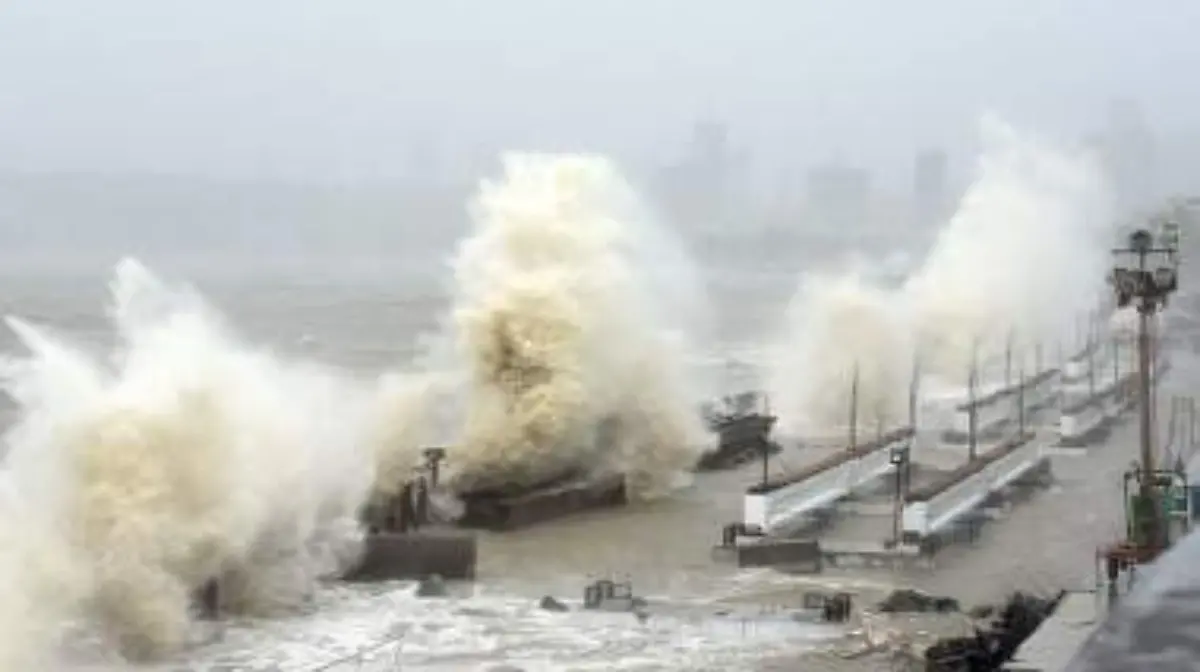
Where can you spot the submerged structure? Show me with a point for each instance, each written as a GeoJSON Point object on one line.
{"type": "Point", "coordinates": [743, 432]}
{"type": "Point", "coordinates": [407, 539]}
{"type": "Point", "coordinates": [508, 509]}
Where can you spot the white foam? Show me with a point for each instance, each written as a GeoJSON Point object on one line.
{"type": "Point", "coordinates": [1023, 256]}
{"type": "Point", "coordinates": [573, 322]}
{"type": "Point", "coordinates": [186, 455]}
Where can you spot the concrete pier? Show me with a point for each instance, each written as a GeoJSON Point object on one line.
{"type": "Point", "coordinates": [416, 554]}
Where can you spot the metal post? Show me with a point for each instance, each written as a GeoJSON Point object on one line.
{"type": "Point", "coordinates": [766, 444]}
{"type": "Point", "coordinates": [914, 393]}
{"type": "Point", "coordinates": [1008, 348]}
{"type": "Point", "coordinates": [1021, 406]}
{"type": "Point", "coordinates": [766, 462]}
{"type": "Point", "coordinates": [913, 390]}
{"type": "Point", "coordinates": [1144, 308]}
{"type": "Point", "coordinates": [898, 506]}
{"type": "Point", "coordinates": [1091, 367]}
{"type": "Point", "coordinates": [1171, 425]}
{"type": "Point", "coordinates": [1116, 356]}
{"type": "Point", "coordinates": [854, 409]}
{"type": "Point", "coordinates": [972, 413]}
{"type": "Point", "coordinates": [1192, 425]}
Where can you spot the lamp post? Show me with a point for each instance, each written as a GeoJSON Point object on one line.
{"type": "Point", "coordinates": [854, 408]}
{"type": "Point", "coordinates": [900, 455]}
{"type": "Point", "coordinates": [899, 460]}
{"type": "Point", "coordinates": [1135, 283]}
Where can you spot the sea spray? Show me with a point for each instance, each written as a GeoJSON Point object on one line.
{"type": "Point", "coordinates": [187, 456]}
{"type": "Point", "coordinates": [573, 320]}
{"type": "Point", "coordinates": [845, 334]}
{"type": "Point", "coordinates": [1021, 258]}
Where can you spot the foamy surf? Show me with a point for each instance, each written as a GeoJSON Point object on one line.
{"type": "Point", "coordinates": [389, 629]}
{"type": "Point", "coordinates": [1022, 257]}
{"type": "Point", "coordinates": [183, 456]}
{"type": "Point", "coordinates": [573, 321]}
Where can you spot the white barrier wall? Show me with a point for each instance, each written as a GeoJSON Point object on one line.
{"type": "Point", "coordinates": [931, 516]}
{"type": "Point", "coordinates": [787, 504]}
{"type": "Point", "coordinates": [1075, 426]}
{"type": "Point", "coordinates": [1085, 412]}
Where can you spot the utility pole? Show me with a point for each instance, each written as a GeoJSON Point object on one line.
{"type": "Point", "coordinates": [1148, 290]}
{"type": "Point", "coordinates": [854, 409]}
{"type": "Point", "coordinates": [1021, 406]}
{"type": "Point", "coordinates": [901, 457]}
{"type": "Point", "coordinates": [1008, 353]}
{"type": "Point", "coordinates": [1091, 363]}
{"type": "Point", "coordinates": [972, 408]}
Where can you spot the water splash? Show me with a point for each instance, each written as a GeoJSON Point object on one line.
{"type": "Point", "coordinates": [183, 457]}
{"type": "Point", "coordinates": [572, 322]}
{"type": "Point", "coordinates": [1024, 254]}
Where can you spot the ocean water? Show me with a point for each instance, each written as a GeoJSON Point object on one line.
{"type": "Point", "coordinates": [711, 616]}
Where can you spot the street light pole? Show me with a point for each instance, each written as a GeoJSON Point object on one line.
{"type": "Point", "coordinates": [854, 409]}
{"type": "Point", "coordinates": [1148, 291]}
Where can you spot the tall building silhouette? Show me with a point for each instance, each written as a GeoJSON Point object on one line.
{"type": "Point", "coordinates": [696, 188]}
{"type": "Point", "coordinates": [930, 176]}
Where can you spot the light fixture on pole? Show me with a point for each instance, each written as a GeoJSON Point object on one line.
{"type": "Point", "coordinates": [1147, 290]}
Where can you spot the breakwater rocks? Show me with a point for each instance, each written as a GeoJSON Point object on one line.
{"type": "Point", "coordinates": [993, 645]}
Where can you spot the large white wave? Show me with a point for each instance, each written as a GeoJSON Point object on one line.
{"type": "Point", "coordinates": [572, 317]}
{"type": "Point", "coordinates": [1023, 256]}
{"type": "Point", "coordinates": [183, 457]}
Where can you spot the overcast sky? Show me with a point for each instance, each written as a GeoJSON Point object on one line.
{"type": "Point", "coordinates": [334, 90]}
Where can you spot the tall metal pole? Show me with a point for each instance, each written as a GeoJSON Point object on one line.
{"type": "Point", "coordinates": [914, 392]}
{"type": "Point", "coordinates": [1091, 366]}
{"type": "Point", "coordinates": [1144, 307]}
{"type": "Point", "coordinates": [1191, 425]}
{"type": "Point", "coordinates": [1008, 352]}
{"type": "Point", "coordinates": [1116, 357]}
{"type": "Point", "coordinates": [766, 444]}
{"type": "Point", "coordinates": [1021, 406]}
{"type": "Point", "coordinates": [897, 505]}
{"type": "Point", "coordinates": [854, 409]}
{"type": "Point", "coordinates": [972, 411]}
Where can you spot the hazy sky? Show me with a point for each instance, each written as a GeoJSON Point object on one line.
{"type": "Point", "coordinates": [347, 89]}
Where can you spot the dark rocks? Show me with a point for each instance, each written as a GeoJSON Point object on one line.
{"type": "Point", "coordinates": [431, 586]}
{"type": "Point", "coordinates": [989, 649]}
{"type": "Point", "coordinates": [982, 611]}
{"type": "Point", "coordinates": [907, 601]}
{"type": "Point", "coordinates": [549, 603]}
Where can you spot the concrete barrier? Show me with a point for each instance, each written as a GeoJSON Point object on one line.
{"type": "Point", "coordinates": [1087, 416]}
{"type": "Point", "coordinates": [930, 509]}
{"type": "Point", "coordinates": [387, 556]}
{"type": "Point", "coordinates": [779, 502]}
{"type": "Point", "coordinates": [799, 554]}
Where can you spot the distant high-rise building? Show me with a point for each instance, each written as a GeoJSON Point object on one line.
{"type": "Point", "coordinates": [1129, 156]}
{"type": "Point", "coordinates": [839, 196]}
{"type": "Point", "coordinates": [929, 186]}
{"type": "Point", "coordinates": [696, 188]}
